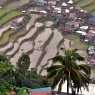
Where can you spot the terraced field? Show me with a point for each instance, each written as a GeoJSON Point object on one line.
{"type": "Point", "coordinates": [9, 16]}
{"type": "Point", "coordinates": [11, 10]}
{"type": "Point", "coordinates": [38, 38]}
{"type": "Point", "coordinates": [39, 41]}
{"type": "Point", "coordinates": [88, 5]}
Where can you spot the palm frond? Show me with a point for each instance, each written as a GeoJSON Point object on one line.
{"type": "Point", "coordinates": [60, 85]}
{"type": "Point", "coordinates": [57, 78]}
{"type": "Point", "coordinates": [78, 57]}
{"type": "Point", "coordinates": [85, 68]}
{"type": "Point", "coordinates": [57, 58]}
{"type": "Point", "coordinates": [51, 74]}
{"type": "Point", "coordinates": [55, 67]}
{"type": "Point", "coordinates": [76, 75]}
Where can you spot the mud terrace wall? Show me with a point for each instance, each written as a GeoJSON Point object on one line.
{"type": "Point", "coordinates": [38, 40]}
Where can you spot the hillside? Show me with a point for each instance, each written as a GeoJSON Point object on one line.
{"type": "Point", "coordinates": [88, 5]}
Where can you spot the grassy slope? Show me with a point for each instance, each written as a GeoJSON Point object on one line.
{"type": "Point", "coordinates": [88, 5]}
{"type": "Point", "coordinates": [78, 44]}
{"type": "Point", "coordinates": [8, 16]}
{"type": "Point", "coordinates": [5, 37]}
{"type": "Point", "coordinates": [9, 11]}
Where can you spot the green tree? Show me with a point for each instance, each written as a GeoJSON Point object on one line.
{"type": "Point", "coordinates": [22, 91]}
{"type": "Point", "coordinates": [65, 68]}
{"type": "Point", "coordinates": [6, 69]}
{"type": "Point", "coordinates": [5, 87]}
{"type": "Point", "coordinates": [23, 63]}
{"type": "Point", "coordinates": [27, 77]}
{"type": "Point", "coordinates": [22, 69]}
{"type": "Point", "coordinates": [6, 75]}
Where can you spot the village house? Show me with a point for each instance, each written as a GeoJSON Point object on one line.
{"type": "Point", "coordinates": [91, 35]}
{"type": "Point", "coordinates": [40, 2]}
{"type": "Point", "coordinates": [51, 2]}
{"type": "Point", "coordinates": [72, 16]}
{"type": "Point", "coordinates": [91, 20]}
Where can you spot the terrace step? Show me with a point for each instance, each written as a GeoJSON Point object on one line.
{"type": "Point", "coordinates": [18, 42]}
{"type": "Point", "coordinates": [32, 21]}
{"type": "Point", "coordinates": [84, 2]}
{"type": "Point", "coordinates": [43, 49]}
{"type": "Point", "coordinates": [39, 41]}
{"type": "Point", "coordinates": [40, 44]}
{"type": "Point", "coordinates": [8, 47]}
{"type": "Point", "coordinates": [33, 32]}
{"type": "Point", "coordinates": [23, 48]}
{"type": "Point", "coordinates": [4, 29]}
{"type": "Point", "coordinates": [4, 39]}
{"type": "Point", "coordinates": [51, 49]}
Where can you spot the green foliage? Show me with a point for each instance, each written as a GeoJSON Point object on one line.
{"type": "Point", "coordinates": [26, 77]}
{"type": "Point", "coordinates": [65, 67]}
{"type": "Point", "coordinates": [19, 77]}
{"type": "Point", "coordinates": [6, 70]}
{"type": "Point", "coordinates": [3, 58]}
{"type": "Point", "coordinates": [5, 87]}
{"type": "Point", "coordinates": [22, 69]}
{"type": "Point", "coordinates": [22, 91]}
{"type": "Point", "coordinates": [23, 63]}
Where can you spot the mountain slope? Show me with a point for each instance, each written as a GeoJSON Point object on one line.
{"type": "Point", "coordinates": [88, 5]}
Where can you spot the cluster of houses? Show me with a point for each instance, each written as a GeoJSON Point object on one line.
{"type": "Point", "coordinates": [68, 17]}
{"type": "Point", "coordinates": [71, 19]}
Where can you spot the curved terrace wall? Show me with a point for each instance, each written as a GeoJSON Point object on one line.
{"type": "Point", "coordinates": [43, 49]}
{"type": "Point", "coordinates": [16, 38]}
{"type": "Point", "coordinates": [29, 38]}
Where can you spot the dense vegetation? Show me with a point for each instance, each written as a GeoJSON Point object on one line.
{"type": "Point", "coordinates": [64, 68]}
{"type": "Point", "coordinates": [19, 77]}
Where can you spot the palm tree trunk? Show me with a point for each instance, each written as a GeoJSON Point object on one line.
{"type": "Point", "coordinates": [67, 86]}
{"type": "Point", "coordinates": [68, 83]}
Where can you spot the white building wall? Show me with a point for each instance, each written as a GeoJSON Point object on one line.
{"type": "Point", "coordinates": [84, 91]}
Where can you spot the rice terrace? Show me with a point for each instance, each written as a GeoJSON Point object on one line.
{"type": "Point", "coordinates": [45, 29]}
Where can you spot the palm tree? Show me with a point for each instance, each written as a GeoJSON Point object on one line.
{"type": "Point", "coordinates": [84, 73]}
{"type": "Point", "coordinates": [65, 68]}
